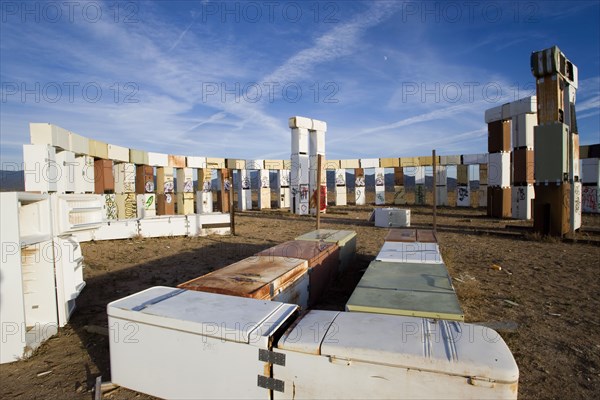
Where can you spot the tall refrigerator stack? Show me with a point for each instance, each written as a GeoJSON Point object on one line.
{"type": "Point", "coordinates": [125, 196]}
{"type": "Point", "coordinates": [399, 190]}
{"type": "Point", "coordinates": [360, 195]}
{"type": "Point", "coordinates": [524, 120]}
{"type": "Point", "coordinates": [283, 176]}
{"type": "Point", "coordinates": [242, 183]}
{"type": "Point", "coordinates": [185, 190]}
{"type": "Point", "coordinates": [308, 142]}
{"type": "Point", "coordinates": [590, 194]}
{"type": "Point", "coordinates": [83, 168]}
{"type": "Point", "coordinates": [557, 209]}
{"type": "Point", "coordinates": [224, 194]}
{"type": "Point", "coordinates": [274, 168]}
{"type": "Point", "coordinates": [441, 185]}
{"type": "Point", "coordinates": [104, 181]}
{"type": "Point", "coordinates": [499, 190]}
{"type": "Point", "coordinates": [316, 143]}
{"type": "Point", "coordinates": [165, 189]}
{"type": "Point", "coordinates": [263, 185]}
{"type": "Point", "coordinates": [379, 173]}
{"type": "Point", "coordinates": [341, 197]}
{"type": "Point", "coordinates": [462, 186]}
{"type": "Point", "coordinates": [299, 165]}
{"type": "Point", "coordinates": [204, 201]}
{"type": "Point", "coordinates": [144, 189]}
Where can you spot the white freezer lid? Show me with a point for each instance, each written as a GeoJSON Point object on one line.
{"type": "Point", "coordinates": [308, 332]}
{"type": "Point", "coordinates": [409, 342]}
{"type": "Point", "coordinates": [229, 318]}
{"type": "Point", "coordinates": [409, 246]}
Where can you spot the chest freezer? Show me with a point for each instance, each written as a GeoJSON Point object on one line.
{"type": "Point", "coordinates": [421, 290]}
{"type": "Point", "coordinates": [346, 240]}
{"type": "Point", "coordinates": [180, 344]}
{"type": "Point", "coordinates": [323, 259]}
{"type": "Point", "coordinates": [259, 277]}
{"type": "Point", "coordinates": [360, 356]}
{"type": "Point", "coordinates": [392, 217]}
{"type": "Point", "coordinates": [414, 252]}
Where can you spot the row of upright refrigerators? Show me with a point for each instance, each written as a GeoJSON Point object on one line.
{"type": "Point", "coordinates": [248, 330]}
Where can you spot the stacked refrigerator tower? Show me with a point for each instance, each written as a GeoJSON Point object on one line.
{"type": "Point", "coordinates": [125, 197]}
{"type": "Point", "coordinates": [524, 120]}
{"type": "Point", "coordinates": [499, 191]}
{"type": "Point", "coordinates": [184, 188]}
{"type": "Point", "coordinates": [144, 189]}
{"type": "Point", "coordinates": [308, 142]}
{"type": "Point", "coordinates": [558, 187]}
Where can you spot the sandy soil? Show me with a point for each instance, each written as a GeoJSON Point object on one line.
{"type": "Point", "coordinates": [551, 323]}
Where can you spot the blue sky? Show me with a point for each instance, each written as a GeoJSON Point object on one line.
{"type": "Point", "coordinates": [220, 79]}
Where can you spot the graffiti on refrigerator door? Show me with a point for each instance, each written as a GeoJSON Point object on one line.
{"type": "Point", "coordinates": [149, 186]}
{"type": "Point", "coordinates": [130, 206]}
{"type": "Point", "coordinates": [589, 199]}
{"type": "Point", "coordinates": [304, 193]}
{"type": "Point", "coordinates": [206, 186]}
{"type": "Point", "coordinates": [463, 193]}
{"type": "Point", "coordinates": [168, 198]}
{"type": "Point", "coordinates": [169, 187]}
{"type": "Point", "coordinates": [521, 194]}
{"type": "Point", "coordinates": [188, 187]}
{"type": "Point", "coordinates": [227, 185]}
{"type": "Point", "coordinates": [400, 196]}
{"type": "Point", "coordinates": [264, 182]}
{"type": "Point", "coordinates": [245, 182]}
{"type": "Point", "coordinates": [419, 194]}
{"type": "Point", "coordinates": [340, 179]}
{"type": "Point", "coordinates": [284, 178]}
{"type": "Point", "coordinates": [379, 180]}
{"type": "Point", "coordinates": [380, 198]}
{"type": "Point", "coordinates": [110, 206]}
{"type": "Point", "coordinates": [577, 202]}
{"type": "Point", "coordinates": [148, 205]}
{"type": "Point", "coordinates": [360, 181]}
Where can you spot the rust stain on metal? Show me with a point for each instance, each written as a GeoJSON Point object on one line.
{"type": "Point", "coordinates": [426, 236]}
{"type": "Point", "coordinates": [305, 250]}
{"type": "Point", "coordinates": [258, 277]}
{"type": "Point", "coordinates": [401, 235]}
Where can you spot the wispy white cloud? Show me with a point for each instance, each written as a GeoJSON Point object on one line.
{"type": "Point", "coordinates": [338, 42]}
{"type": "Point", "coordinates": [181, 36]}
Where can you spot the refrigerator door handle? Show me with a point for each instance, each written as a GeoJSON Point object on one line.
{"type": "Point", "coordinates": [157, 299]}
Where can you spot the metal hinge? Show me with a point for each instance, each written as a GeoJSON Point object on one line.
{"type": "Point", "coordinates": [270, 383]}
{"type": "Point", "coordinates": [271, 357]}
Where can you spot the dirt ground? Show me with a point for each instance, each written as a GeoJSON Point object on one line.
{"type": "Point", "coordinates": [550, 323]}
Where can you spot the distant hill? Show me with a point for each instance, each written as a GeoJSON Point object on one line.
{"type": "Point", "coordinates": [12, 181]}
